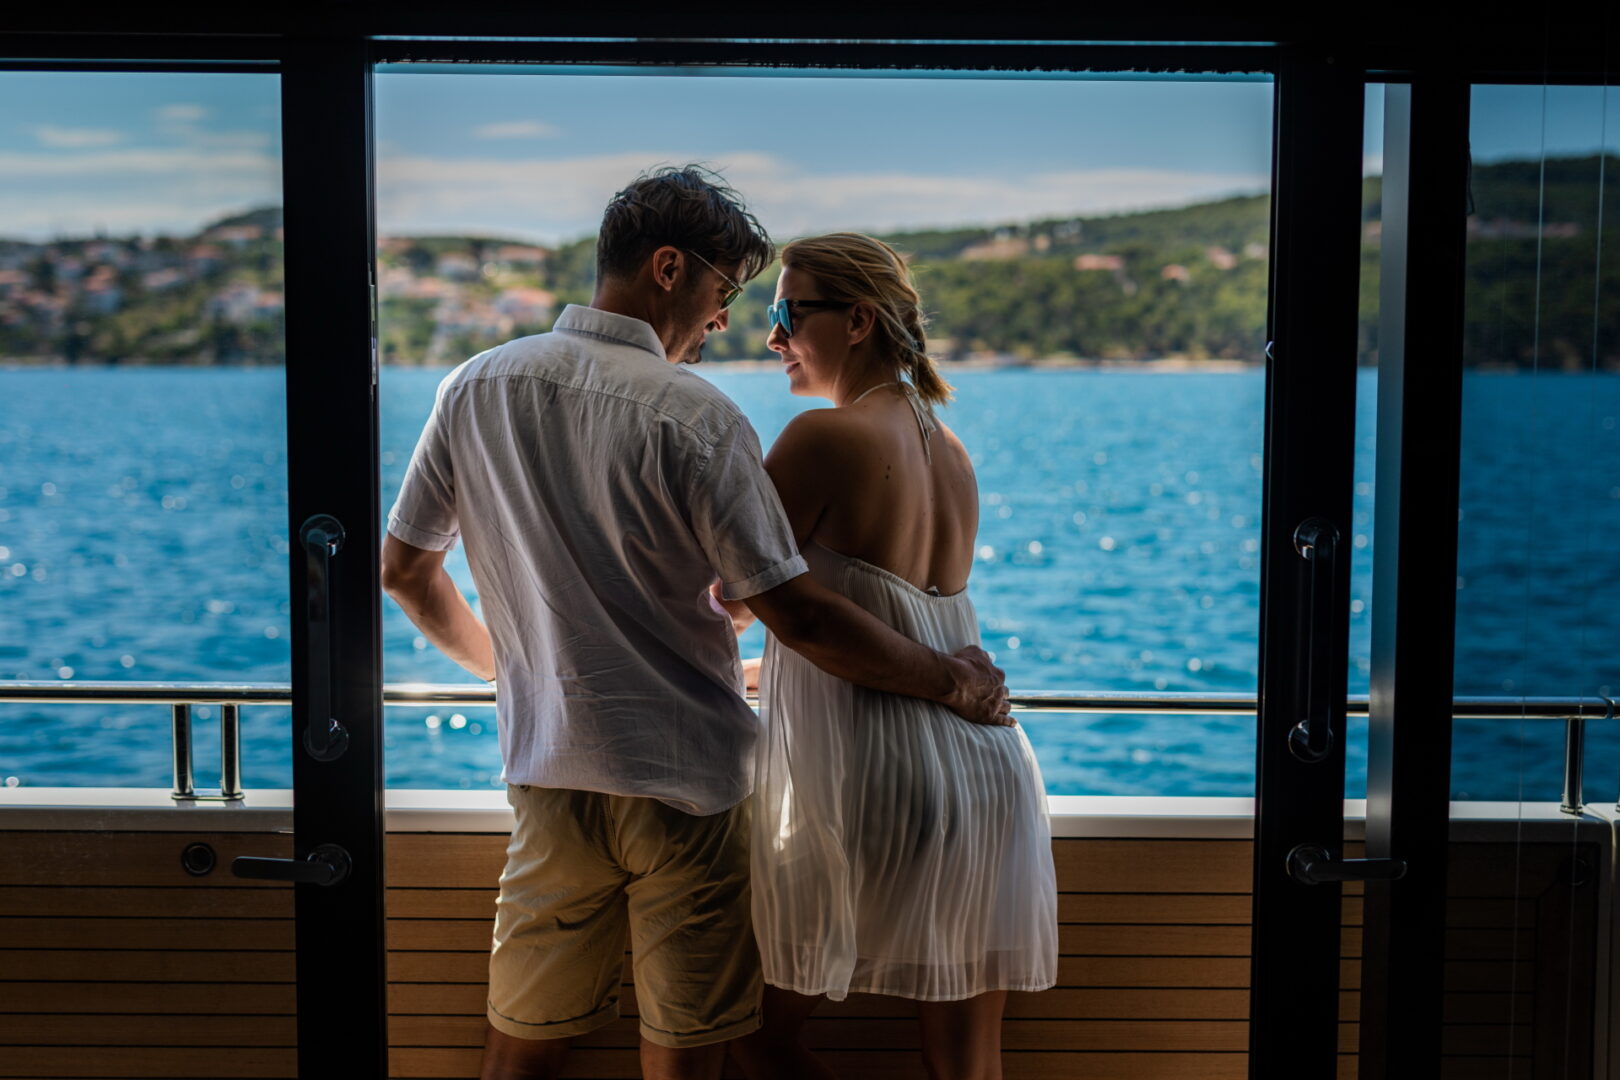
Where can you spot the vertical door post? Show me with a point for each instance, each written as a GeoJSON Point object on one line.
{"type": "Point", "coordinates": [334, 533]}
{"type": "Point", "coordinates": [1305, 569]}
{"type": "Point", "coordinates": [1424, 243]}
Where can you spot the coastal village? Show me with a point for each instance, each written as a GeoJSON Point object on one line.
{"type": "Point", "coordinates": [1178, 286]}
{"type": "Point", "coordinates": [218, 298]}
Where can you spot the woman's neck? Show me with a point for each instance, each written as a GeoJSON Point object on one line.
{"type": "Point", "coordinates": [869, 379]}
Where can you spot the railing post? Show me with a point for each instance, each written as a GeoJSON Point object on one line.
{"type": "Point", "coordinates": [230, 753]}
{"type": "Point", "coordinates": [1574, 763]}
{"type": "Point", "coordinates": [183, 786]}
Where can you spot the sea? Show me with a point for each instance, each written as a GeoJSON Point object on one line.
{"type": "Point", "coordinates": [143, 536]}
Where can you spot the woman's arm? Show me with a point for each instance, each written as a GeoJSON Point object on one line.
{"type": "Point", "coordinates": [804, 464]}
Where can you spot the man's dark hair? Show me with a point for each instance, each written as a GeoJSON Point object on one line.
{"type": "Point", "coordinates": [688, 207]}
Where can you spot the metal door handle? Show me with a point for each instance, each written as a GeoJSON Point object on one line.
{"type": "Point", "coordinates": [328, 864]}
{"type": "Point", "coordinates": [1312, 864]}
{"type": "Point", "coordinates": [322, 537]}
{"type": "Point", "coordinates": [1317, 541]}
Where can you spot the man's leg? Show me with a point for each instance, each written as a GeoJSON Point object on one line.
{"type": "Point", "coordinates": [560, 933]}
{"type": "Point", "coordinates": [685, 1063]}
{"type": "Point", "coordinates": [509, 1058]}
{"type": "Point", "coordinates": [696, 965]}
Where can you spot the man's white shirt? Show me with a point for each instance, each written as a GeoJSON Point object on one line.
{"type": "Point", "coordinates": [600, 489]}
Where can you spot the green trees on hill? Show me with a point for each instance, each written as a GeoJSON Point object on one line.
{"type": "Point", "coordinates": [1186, 282]}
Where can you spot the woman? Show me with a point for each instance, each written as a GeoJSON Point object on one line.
{"type": "Point", "coordinates": [896, 848]}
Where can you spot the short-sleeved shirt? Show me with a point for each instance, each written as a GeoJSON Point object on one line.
{"type": "Point", "coordinates": [600, 491]}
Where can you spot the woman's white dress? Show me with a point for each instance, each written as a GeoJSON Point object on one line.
{"type": "Point", "coordinates": [897, 849]}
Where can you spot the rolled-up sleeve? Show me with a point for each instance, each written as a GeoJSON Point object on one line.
{"type": "Point", "coordinates": [738, 518]}
{"type": "Point", "coordinates": [424, 514]}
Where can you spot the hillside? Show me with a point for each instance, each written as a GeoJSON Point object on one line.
{"type": "Point", "coordinates": [1186, 282]}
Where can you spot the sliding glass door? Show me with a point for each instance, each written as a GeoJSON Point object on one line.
{"type": "Point", "coordinates": [190, 520]}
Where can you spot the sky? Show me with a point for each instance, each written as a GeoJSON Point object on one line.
{"type": "Point", "coordinates": [536, 153]}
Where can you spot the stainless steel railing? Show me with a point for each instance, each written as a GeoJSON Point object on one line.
{"type": "Point", "coordinates": [230, 697]}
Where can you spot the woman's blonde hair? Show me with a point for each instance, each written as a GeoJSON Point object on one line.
{"type": "Point", "coordinates": [854, 268]}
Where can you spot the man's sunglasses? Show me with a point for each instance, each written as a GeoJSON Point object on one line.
{"type": "Point", "coordinates": [781, 312]}
{"type": "Point", "coordinates": [736, 289]}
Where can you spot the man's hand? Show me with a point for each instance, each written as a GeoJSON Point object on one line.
{"type": "Point", "coordinates": [845, 640]}
{"type": "Point", "coordinates": [981, 689]}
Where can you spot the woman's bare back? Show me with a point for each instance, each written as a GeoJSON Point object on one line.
{"type": "Point", "coordinates": [893, 497]}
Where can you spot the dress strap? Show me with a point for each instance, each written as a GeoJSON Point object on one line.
{"type": "Point", "coordinates": [925, 417]}
{"type": "Point", "coordinates": [869, 389]}
{"type": "Point", "coordinates": [919, 408]}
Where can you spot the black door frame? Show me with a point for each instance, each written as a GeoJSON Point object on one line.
{"type": "Point", "coordinates": [1305, 560]}
{"type": "Point", "coordinates": [334, 470]}
{"type": "Point", "coordinates": [1422, 260]}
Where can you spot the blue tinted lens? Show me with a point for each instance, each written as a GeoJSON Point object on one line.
{"type": "Point", "coordinates": [781, 316]}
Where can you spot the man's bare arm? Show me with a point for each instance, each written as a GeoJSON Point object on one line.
{"type": "Point", "coordinates": [843, 639]}
{"type": "Point", "coordinates": [741, 617]}
{"type": "Point", "coordinates": [419, 583]}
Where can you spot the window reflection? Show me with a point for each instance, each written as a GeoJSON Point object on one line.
{"type": "Point", "coordinates": [1537, 588]}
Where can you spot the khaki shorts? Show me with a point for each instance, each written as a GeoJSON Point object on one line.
{"type": "Point", "coordinates": [584, 872]}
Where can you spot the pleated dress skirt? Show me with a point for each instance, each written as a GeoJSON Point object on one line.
{"type": "Point", "coordinates": [897, 849]}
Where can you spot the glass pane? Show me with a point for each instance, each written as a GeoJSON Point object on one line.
{"type": "Point", "coordinates": [143, 472]}
{"type": "Point", "coordinates": [143, 507]}
{"type": "Point", "coordinates": [1361, 524]}
{"type": "Point", "coordinates": [1095, 269]}
{"type": "Point", "coordinates": [1537, 587]}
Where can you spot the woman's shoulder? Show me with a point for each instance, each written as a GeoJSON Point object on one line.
{"type": "Point", "coordinates": [825, 432]}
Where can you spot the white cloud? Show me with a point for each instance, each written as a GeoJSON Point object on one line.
{"type": "Point", "coordinates": [114, 165]}
{"type": "Point", "coordinates": [562, 199]}
{"type": "Point", "coordinates": [181, 113]}
{"type": "Point", "coordinates": [175, 189]}
{"type": "Point", "coordinates": [75, 138]}
{"type": "Point", "coordinates": [130, 190]}
{"type": "Point", "coordinates": [182, 122]}
{"type": "Point", "coordinates": [517, 129]}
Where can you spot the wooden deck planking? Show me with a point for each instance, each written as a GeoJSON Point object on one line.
{"type": "Point", "coordinates": [113, 955]}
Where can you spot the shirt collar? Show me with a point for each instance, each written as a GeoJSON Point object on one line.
{"type": "Point", "coordinates": [579, 319]}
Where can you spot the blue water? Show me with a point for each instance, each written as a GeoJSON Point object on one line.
{"type": "Point", "coordinates": [143, 536]}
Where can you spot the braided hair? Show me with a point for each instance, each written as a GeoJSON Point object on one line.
{"type": "Point", "coordinates": [855, 268]}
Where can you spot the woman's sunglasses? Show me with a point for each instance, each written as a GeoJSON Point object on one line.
{"type": "Point", "coordinates": [781, 312]}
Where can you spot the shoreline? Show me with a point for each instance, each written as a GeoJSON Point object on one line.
{"type": "Point", "coordinates": [1165, 365]}
{"type": "Point", "coordinates": [1160, 366]}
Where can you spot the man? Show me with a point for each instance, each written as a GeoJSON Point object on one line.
{"type": "Point", "coordinates": [601, 490]}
